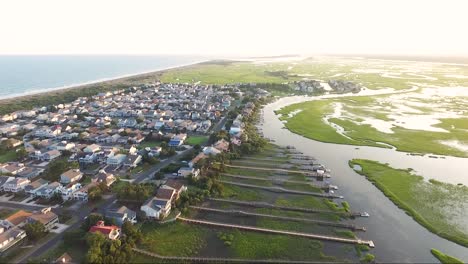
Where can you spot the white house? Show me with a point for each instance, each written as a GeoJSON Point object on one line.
{"type": "Point", "coordinates": [156, 208]}
{"type": "Point", "coordinates": [211, 150]}
{"type": "Point", "coordinates": [118, 159]}
{"type": "Point", "coordinates": [186, 171]}
{"type": "Point", "coordinates": [16, 185]}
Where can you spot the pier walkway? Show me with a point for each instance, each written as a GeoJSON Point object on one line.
{"type": "Point", "coordinates": [306, 173]}
{"type": "Point", "coordinates": [283, 190]}
{"type": "Point", "coordinates": [286, 208]}
{"type": "Point", "coordinates": [174, 259]}
{"type": "Point", "coordinates": [296, 219]}
{"type": "Point", "coordinates": [280, 232]}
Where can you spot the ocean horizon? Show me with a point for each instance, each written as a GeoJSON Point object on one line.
{"type": "Point", "coordinates": [30, 74]}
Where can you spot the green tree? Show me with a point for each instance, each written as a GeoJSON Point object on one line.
{"type": "Point", "coordinates": [35, 230]}
{"type": "Point", "coordinates": [21, 153]}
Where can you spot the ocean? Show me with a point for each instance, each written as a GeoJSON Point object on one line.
{"type": "Point", "coordinates": [28, 74]}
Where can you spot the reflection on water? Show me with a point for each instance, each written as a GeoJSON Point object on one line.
{"type": "Point", "coordinates": [398, 238]}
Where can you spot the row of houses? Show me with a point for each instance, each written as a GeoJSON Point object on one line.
{"type": "Point", "coordinates": [11, 228]}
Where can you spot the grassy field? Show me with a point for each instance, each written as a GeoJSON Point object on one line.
{"type": "Point", "coordinates": [173, 239]}
{"type": "Point", "coordinates": [194, 140]}
{"type": "Point", "coordinates": [8, 155]}
{"type": "Point", "coordinates": [445, 259]}
{"type": "Point", "coordinates": [440, 207]}
{"type": "Point", "coordinates": [309, 123]}
{"type": "Point", "coordinates": [250, 245]}
{"type": "Point", "coordinates": [149, 144]}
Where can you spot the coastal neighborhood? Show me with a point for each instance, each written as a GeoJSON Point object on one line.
{"type": "Point", "coordinates": [75, 156]}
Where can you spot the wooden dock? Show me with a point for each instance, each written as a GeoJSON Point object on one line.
{"type": "Point", "coordinates": [324, 187]}
{"type": "Point", "coordinates": [306, 173]}
{"type": "Point", "coordinates": [296, 219]}
{"type": "Point", "coordinates": [286, 208]}
{"type": "Point", "coordinates": [175, 259]}
{"type": "Point", "coordinates": [280, 232]}
{"type": "Point", "coordinates": [283, 190]}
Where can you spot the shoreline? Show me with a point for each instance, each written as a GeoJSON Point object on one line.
{"type": "Point", "coordinates": [88, 84]}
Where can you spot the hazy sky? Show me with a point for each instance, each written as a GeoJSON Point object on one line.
{"type": "Point", "coordinates": [235, 27]}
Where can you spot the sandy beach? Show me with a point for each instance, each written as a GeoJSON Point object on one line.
{"type": "Point", "coordinates": [129, 79]}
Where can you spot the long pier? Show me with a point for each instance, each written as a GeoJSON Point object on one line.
{"type": "Point", "coordinates": [306, 173]}
{"type": "Point", "coordinates": [281, 232]}
{"type": "Point", "coordinates": [172, 259]}
{"type": "Point", "coordinates": [286, 208]}
{"type": "Point", "coordinates": [274, 180]}
{"type": "Point", "coordinates": [283, 190]}
{"type": "Point", "coordinates": [296, 219]}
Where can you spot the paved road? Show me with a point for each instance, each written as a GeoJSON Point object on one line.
{"type": "Point", "coordinates": [26, 207]}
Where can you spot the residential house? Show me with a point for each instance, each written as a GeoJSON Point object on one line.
{"type": "Point", "coordinates": [111, 232]}
{"type": "Point", "coordinates": [29, 172]}
{"type": "Point", "coordinates": [48, 191]}
{"type": "Point", "coordinates": [177, 186]}
{"type": "Point", "coordinates": [68, 190]}
{"type": "Point", "coordinates": [17, 219]}
{"type": "Point", "coordinates": [103, 176]}
{"type": "Point", "coordinates": [16, 185]}
{"type": "Point", "coordinates": [121, 214]}
{"type": "Point", "coordinates": [211, 151]}
{"type": "Point", "coordinates": [70, 176]}
{"type": "Point", "coordinates": [132, 161]}
{"type": "Point", "coordinates": [11, 168]}
{"type": "Point", "coordinates": [177, 140]}
{"type": "Point", "coordinates": [222, 145]}
{"type": "Point", "coordinates": [156, 208]}
{"type": "Point", "coordinates": [46, 217]}
{"type": "Point", "coordinates": [10, 237]}
{"type": "Point", "coordinates": [187, 171]}
{"type": "Point", "coordinates": [116, 160]}
{"type": "Point", "coordinates": [4, 180]}
{"type": "Point", "coordinates": [197, 159]}
{"type": "Point", "coordinates": [50, 155]}
{"type": "Point", "coordinates": [34, 186]}
{"type": "Point", "coordinates": [159, 206]}
{"type": "Point", "coordinates": [92, 148]}
{"type": "Point", "coordinates": [82, 194]}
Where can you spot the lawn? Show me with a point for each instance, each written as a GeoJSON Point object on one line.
{"type": "Point", "coordinates": [196, 140]}
{"type": "Point", "coordinates": [173, 239]}
{"type": "Point", "coordinates": [150, 144]}
{"type": "Point", "coordinates": [7, 155]}
{"type": "Point", "coordinates": [440, 207]}
{"type": "Point", "coordinates": [4, 212]}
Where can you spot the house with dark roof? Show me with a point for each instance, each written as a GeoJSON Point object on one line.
{"type": "Point", "coordinates": [34, 186]}
{"type": "Point", "coordinates": [103, 176]}
{"type": "Point", "coordinates": [121, 214]}
{"type": "Point", "coordinates": [16, 185]}
{"type": "Point", "coordinates": [132, 161]}
{"type": "Point", "coordinates": [156, 208]}
{"type": "Point", "coordinates": [177, 186]}
{"type": "Point", "coordinates": [10, 237]}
